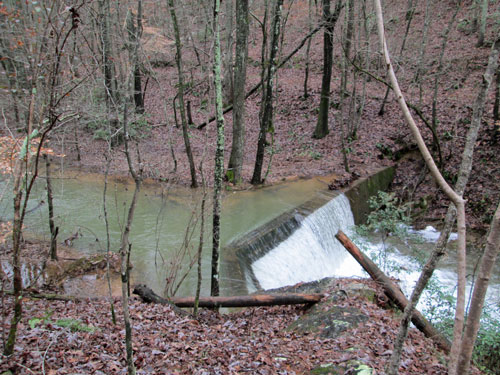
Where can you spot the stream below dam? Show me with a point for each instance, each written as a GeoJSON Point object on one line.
{"type": "Point", "coordinates": [299, 248]}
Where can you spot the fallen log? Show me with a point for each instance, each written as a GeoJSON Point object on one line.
{"type": "Point", "coordinates": [148, 295]}
{"type": "Point", "coordinates": [47, 296]}
{"type": "Point", "coordinates": [393, 292]}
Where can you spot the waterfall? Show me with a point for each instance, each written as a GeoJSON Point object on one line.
{"type": "Point", "coordinates": [312, 252]}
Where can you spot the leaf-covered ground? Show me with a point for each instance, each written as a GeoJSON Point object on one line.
{"type": "Point", "coordinates": [250, 341]}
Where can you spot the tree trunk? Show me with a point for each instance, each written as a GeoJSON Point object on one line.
{"type": "Point", "coordinates": [219, 155]}
{"type": "Point", "coordinates": [17, 227]}
{"type": "Point", "coordinates": [108, 239]}
{"type": "Point", "coordinates": [308, 48]}
{"type": "Point", "coordinates": [480, 288]}
{"type": "Point", "coordinates": [178, 60]}
{"type": "Point", "coordinates": [53, 229]}
{"type": "Point", "coordinates": [266, 121]}
{"type": "Point", "coordinates": [125, 247]}
{"type": "Point", "coordinates": [324, 105]}
{"type": "Point", "coordinates": [348, 39]}
{"type": "Point", "coordinates": [108, 69]}
{"type": "Point", "coordinates": [462, 350]}
{"type": "Point", "coordinates": [249, 301]}
{"type": "Point", "coordinates": [16, 266]}
{"type": "Point", "coordinates": [410, 11]}
{"type": "Point", "coordinates": [440, 67]}
{"type": "Point", "coordinates": [228, 82]}
{"type": "Point", "coordinates": [138, 93]}
{"type": "Point", "coordinates": [482, 23]}
{"type": "Point", "coordinates": [455, 197]}
{"type": "Point", "coordinates": [393, 291]}
{"type": "Point", "coordinates": [329, 20]}
{"type": "Point", "coordinates": [349, 31]}
{"type": "Point", "coordinates": [77, 146]}
{"type": "Point", "coordinates": [147, 295]}
{"type": "Point", "coordinates": [189, 115]}
{"type": "Point", "coordinates": [496, 106]}
{"type": "Point", "coordinates": [423, 45]}
{"type": "Point", "coordinates": [353, 131]}
{"type": "Point", "coordinates": [240, 70]}
{"type": "Point", "coordinates": [200, 246]}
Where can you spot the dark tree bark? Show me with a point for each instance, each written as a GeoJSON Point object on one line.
{"type": "Point", "coordinates": [240, 70]}
{"type": "Point", "coordinates": [496, 106]}
{"type": "Point", "coordinates": [482, 23]}
{"type": "Point", "coordinates": [134, 35]}
{"type": "Point", "coordinates": [329, 20]}
{"type": "Point", "coordinates": [308, 48]}
{"type": "Point", "coordinates": [53, 229]}
{"type": "Point", "coordinates": [189, 115]}
{"type": "Point", "coordinates": [266, 121]}
{"type": "Point", "coordinates": [178, 60]}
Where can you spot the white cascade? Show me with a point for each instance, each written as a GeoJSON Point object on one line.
{"type": "Point", "coordinates": [312, 252]}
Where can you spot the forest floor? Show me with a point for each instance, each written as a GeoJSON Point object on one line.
{"type": "Point", "coordinates": [60, 337]}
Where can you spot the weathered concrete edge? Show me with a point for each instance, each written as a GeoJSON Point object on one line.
{"type": "Point", "coordinates": [280, 228]}
{"type": "Point", "coordinates": [361, 190]}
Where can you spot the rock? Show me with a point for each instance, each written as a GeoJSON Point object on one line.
{"type": "Point", "coordinates": [330, 323]}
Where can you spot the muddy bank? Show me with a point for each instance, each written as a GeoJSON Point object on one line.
{"type": "Point", "coordinates": [73, 273]}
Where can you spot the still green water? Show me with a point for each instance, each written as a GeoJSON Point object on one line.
{"type": "Point", "coordinates": [162, 217]}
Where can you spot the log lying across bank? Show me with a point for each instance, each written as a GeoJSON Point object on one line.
{"type": "Point", "coordinates": [393, 292]}
{"type": "Point", "coordinates": [148, 295]}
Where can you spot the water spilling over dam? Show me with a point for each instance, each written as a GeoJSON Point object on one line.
{"type": "Point", "coordinates": [312, 251]}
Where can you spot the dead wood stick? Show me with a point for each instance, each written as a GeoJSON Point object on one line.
{"type": "Point", "coordinates": [393, 292]}
{"type": "Point", "coordinates": [47, 296]}
{"type": "Point", "coordinates": [148, 295]}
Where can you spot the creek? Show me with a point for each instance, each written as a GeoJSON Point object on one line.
{"type": "Point", "coordinates": [159, 229]}
{"type": "Point", "coordinates": [270, 237]}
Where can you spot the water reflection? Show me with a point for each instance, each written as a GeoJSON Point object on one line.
{"type": "Point", "coordinates": [162, 216]}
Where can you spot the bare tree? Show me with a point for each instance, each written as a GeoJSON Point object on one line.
{"type": "Point", "coordinates": [125, 245]}
{"type": "Point", "coordinates": [479, 293]}
{"type": "Point", "coordinates": [53, 229]}
{"type": "Point", "coordinates": [266, 119]}
{"type": "Point", "coordinates": [454, 196]}
{"type": "Point", "coordinates": [329, 20]}
{"type": "Point", "coordinates": [308, 49]}
{"type": "Point", "coordinates": [410, 11]}
{"type": "Point", "coordinates": [180, 75]}
{"type": "Point", "coordinates": [227, 60]}
{"type": "Point", "coordinates": [240, 70]}
{"type": "Point", "coordinates": [44, 94]}
{"type": "Point", "coordinates": [219, 156]}
{"type": "Point", "coordinates": [439, 249]}
{"type": "Point", "coordinates": [482, 22]}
